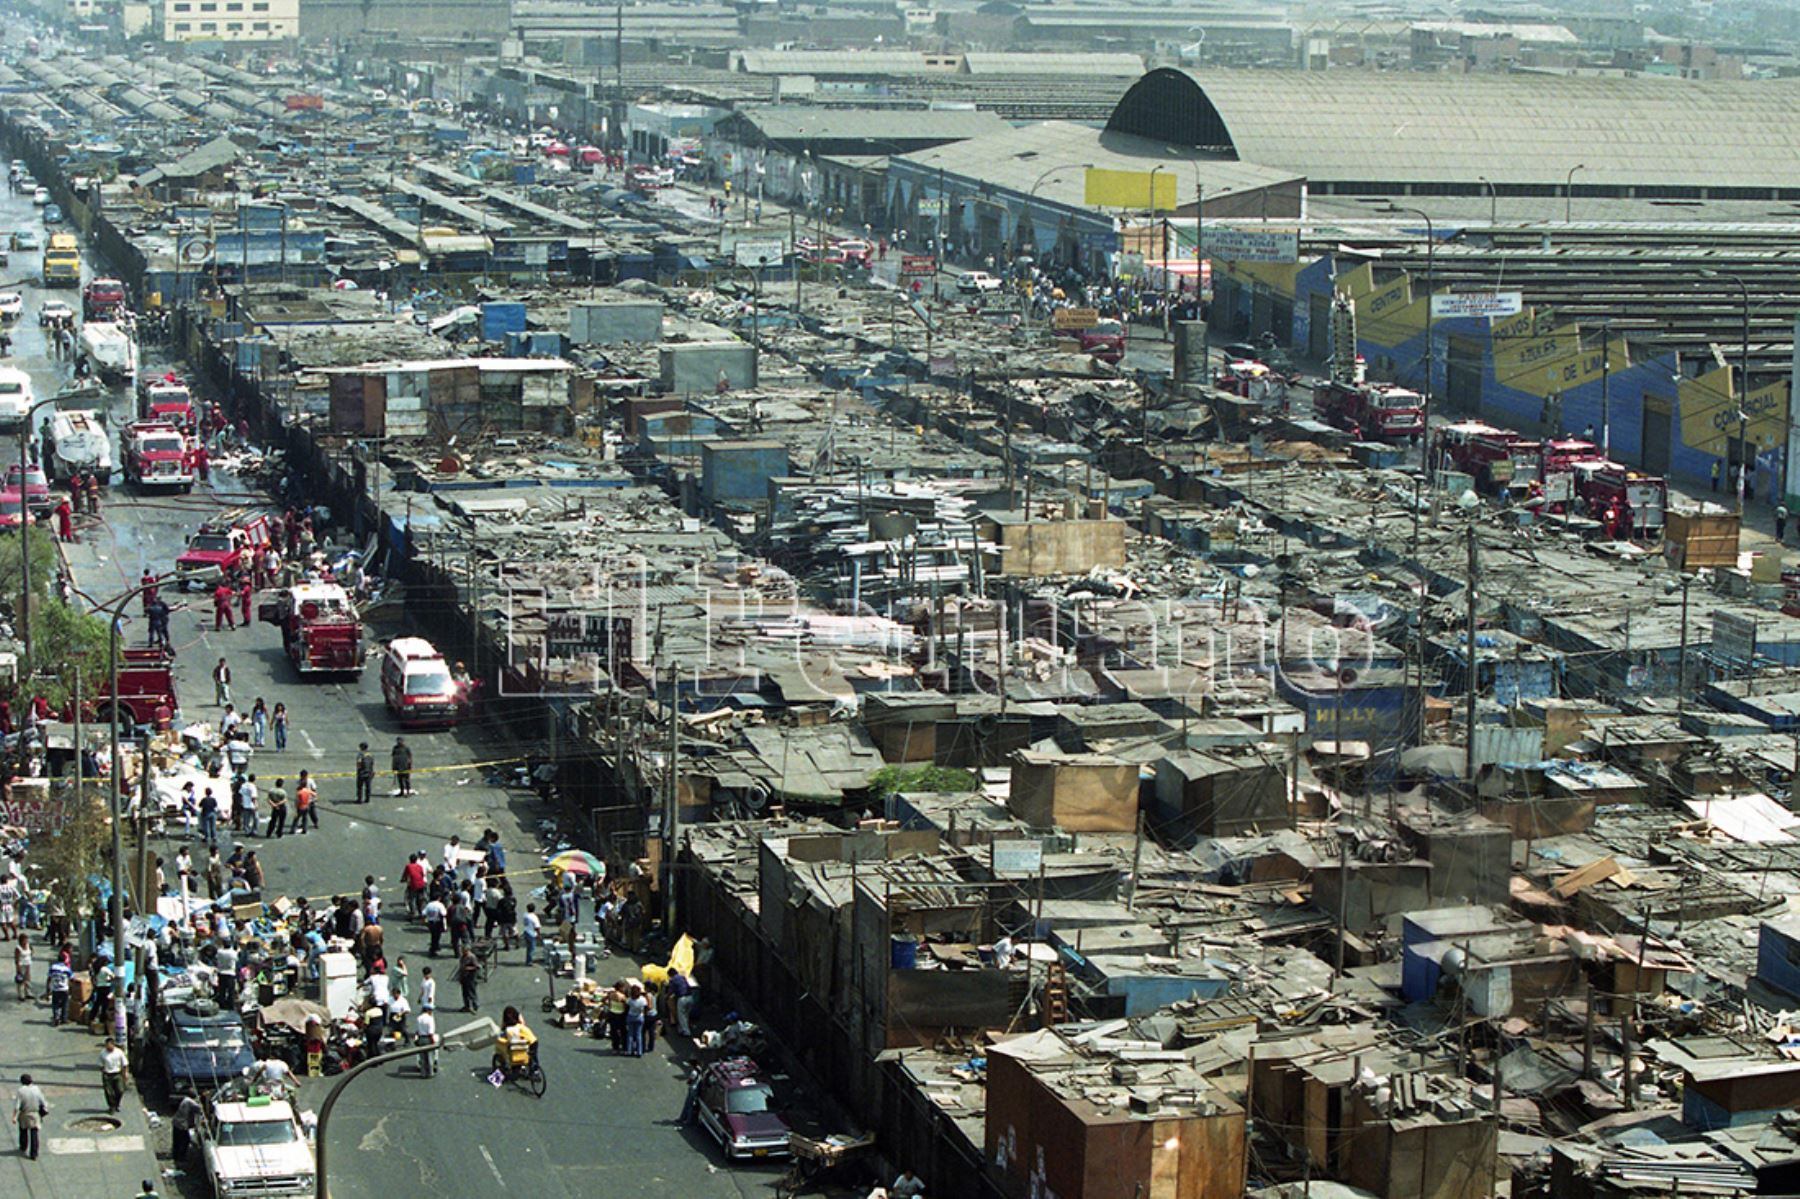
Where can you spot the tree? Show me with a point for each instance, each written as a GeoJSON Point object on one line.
{"type": "Point", "coordinates": [70, 857]}
{"type": "Point", "coordinates": [63, 638]}
{"type": "Point", "coordinates": [893, 780]}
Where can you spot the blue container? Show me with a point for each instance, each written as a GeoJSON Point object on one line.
{"type": "Point", "coordinates": [498, 318]}
{"type": "Point", "coordinates": [905, 953]}
{"type": "Point", "coordinates": [524, 173]}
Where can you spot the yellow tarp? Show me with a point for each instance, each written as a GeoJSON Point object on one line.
{"type": "Point", "coordinates": [681, 958]}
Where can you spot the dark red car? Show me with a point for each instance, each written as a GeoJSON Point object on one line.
{"type": "Point", "coordinates": [737, 1107]}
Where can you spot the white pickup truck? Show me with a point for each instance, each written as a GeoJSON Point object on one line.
{"type": "Point", "coordinates": [256, 1147]}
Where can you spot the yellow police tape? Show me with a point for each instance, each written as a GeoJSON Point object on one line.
{"type": "Point", "coordinates": [350, 774]}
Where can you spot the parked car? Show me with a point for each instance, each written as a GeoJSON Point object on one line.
{"type": "Point", "coordinates": [200, 1047]}
{"type": "Point", "coordinates": [26, 239]}
{"type": "Point", "coordinates": [1104, 341]}
{"type": "Point", "coordinates": [40, 196]}
{"type": "Point", "coordinates": [53, 214]}
{"type": "Point", "coordinates": [976, 282]}
{"type": "Point", "coordinates": [12, 306]}
{"type": "Point", "coordinates": [736, 1106]}
{"type": "Point", "coordinates": [13, 511]}
{"type": "Point", "coordinates": [55, 310]}
{"type": "Point", "coordinates": [36, 486]}
{"type": "Point", "coordinates": [256, 1147]}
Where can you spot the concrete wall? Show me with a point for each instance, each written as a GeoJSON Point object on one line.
{"type": "Point", "coordinates": [695, 366]}
{"type": "Point", "coordinates": [336, 18]}
{"type": "Point", "coordinates": [611, 322]}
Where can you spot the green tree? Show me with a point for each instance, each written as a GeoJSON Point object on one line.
{"type": "Point", "coordinates": [63, 638]}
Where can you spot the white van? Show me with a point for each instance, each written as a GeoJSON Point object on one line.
{"type": "Point", "coordinates": [417, 684]}
{"type": "Point", "coordinates": [16, 397]}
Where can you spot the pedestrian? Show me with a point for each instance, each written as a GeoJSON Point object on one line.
{"type": "Point", "coordinates": [436, 918]}
{"type": "Point", "coordinates": [413, 876]}
{"type": "Point", "coordinates": [636, 1007]}
{"type": "Point", "coordinates": [209, 823]}
{"type": "Point", "coordinates": [278, 809]}
{"type": "Point", "coordinates": [530, 927]}
{"type": "Point", "coordinates": [1715, 475]}
{"type": "Point", "coordinates": [29, 1109]}
{"type": "Point", "coordinates": [425, 1033]}
{"type": "Point", "coordinates": [65, 521]}
{"type": "Point", "coordinates": [222, 617]}
{"type": "Point", "coordinates": [57, 978]}
{"type": "Point", "coordinates": [468, 975]}
{"type": "Point", "coordinates": [245, 593]}
{"type": "Point", "coordinates": [1781, 517]}
{"type": "Point", "coordinates": [221, 676]}
{"type": "Point", "coordinates": [225, 978]}
{"type": "Point", "coordinates": [156, 613]}
{"type": "Point", "coordinates": [215, 868]}
{"type": "Point", "coordinates": [365, 773]}
{"type": "Point", "coordinates": [22, 968]}
{"type": "Point", "coordinates": [278, 720]}
{"type": "Point", "coordinates": [259, 722]}
{"type": "Point", "coordinates": [427, 991]}
{"type": "Point", "coordinates": [113, 1066]}
{"type": "Point", "coordinates": [187, 1117]}
{"type": "Point", "coordinates": [304, 798]}
{"type": "Point", "coordinates": [93, 494]}
{"type": "Point", "coordinates": [508, 911]}
{"type": "Point", "coordinates": [401, 760]}
{"type": "Point", "coordinates": [682, 999]}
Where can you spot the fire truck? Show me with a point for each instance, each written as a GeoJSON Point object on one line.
{"type": "Point", "coordinates": [156, 455]}
{"type": "Point", "coordinates": [167, 398]}
{"type": "Point", "coordinates": [1636, 501]}
{"type": "Point", "coordinates": [223, 548]}
{"type": "Point", "coordinates": [1370, 411]}
{"type": "Point", "coordinates": [103, 300]}
{"type": "Point", "coordinates": [1493, 456]}
{"type": "Point", "coordinates": [146, 694]}
{"type": "Point", "coordinates": [320, 629]}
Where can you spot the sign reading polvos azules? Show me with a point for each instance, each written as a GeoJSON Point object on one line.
{"type": "Point", "coordinates": [1251, 245]}
{"type": "Point", "coordinates": [1448, 305]}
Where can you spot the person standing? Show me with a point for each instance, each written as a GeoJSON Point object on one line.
{"type": "Point", "coordinates": [531, 926]}
{"type": "Point", "coordinates": [427, 991]}
{"type": "Point", "coordinates": [365, 773]}
{"type": "Point", "coordinates": [304, 798]}
{"type": "Point", "coordinates": [468, 976]}
{"type": "Point", "coordinates": [682, 998]}
{"type": "Point", "coordinates": [29, 1109]}
{"type": "Point", "coordinates": [636, 1009]}
{"type": "Point", "coordinates": [113, 1067]}
{"type": "Point", "coordinates": [278, 809]}
{"type": "Point", "coordinates": [401, 760]}
{"type": "Point", "coordinates": [221, 676]}
{"type": "Point", "coordinates": [1781, 517]}
{"type": "Point", "coordinates": [425, 1033]}
{"type": "Point", "coordinates": [245, 593]}
{"type": "Point", "coordinates": [279, 722]}
{"type": "Point", "coordinates": [22, 968]}
{"type": "Point", "coordinates": [414, 878]}
{"type": "Point", "coordinates": [436, 917]}
{"type": "Point", "coordinates": [259, 723]}
{"type": "Point", "coordinates": [57, 978]}
{"type": "Point", "coordinates": [222, 617]}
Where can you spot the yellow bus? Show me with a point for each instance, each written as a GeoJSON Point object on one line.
{"type": "Point", "coordinates": [62, 261]}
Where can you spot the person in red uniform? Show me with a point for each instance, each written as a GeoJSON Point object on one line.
{"type": "Point", "coordinates": [148, 583]}
{"type": "Point", "coordinates": [244, 593]}
{"type": "Point", "coordinates": [202, 463]}
{"type": "Point", "coordinates": [222, 607]}
{"type": "Point", "coordinates": [65, 521]}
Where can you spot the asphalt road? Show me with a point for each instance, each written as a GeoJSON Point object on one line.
{"type": "Point", "coordinates": [606, 1124]}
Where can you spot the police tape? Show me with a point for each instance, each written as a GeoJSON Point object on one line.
{"type": "Point", "coordinates": [350, 774]}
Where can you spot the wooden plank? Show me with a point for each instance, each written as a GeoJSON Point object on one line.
{"type": "Point", "coordinates": [1573, 882]}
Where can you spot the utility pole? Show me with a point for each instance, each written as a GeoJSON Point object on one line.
{"type": "Point", "coordinates": [1469, 708]}
{"type": "Point", "coordinates": [1137, 865]}
{"type": "Point", "coordinates": [1343, 913]}
{"type": "Point", "coordinates": [1606, 390]}
{"type": "Point", "coordinates": [794, 255]}
{"type": "Point", "coordinates": [671, 799]}
{"type": "Point", "coordinates": [1681, 662]}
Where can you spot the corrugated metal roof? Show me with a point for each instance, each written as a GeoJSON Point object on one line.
{"type": "Point", "coordinates": [1513, 129]}
{"type": "Point", "coordinates": [801, 123]}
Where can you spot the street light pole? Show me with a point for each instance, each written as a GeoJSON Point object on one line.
{"type": "Point", "coordinates": [1569, 192]}
{"type": "Point", "coordinates": [1430, 351]}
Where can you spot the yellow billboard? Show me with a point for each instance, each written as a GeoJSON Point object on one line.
{"type": "Point", "coordinates": [1131, 189]}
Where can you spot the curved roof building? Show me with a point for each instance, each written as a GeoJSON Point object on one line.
{"type": "Point", "coordinates": [1379, 133]}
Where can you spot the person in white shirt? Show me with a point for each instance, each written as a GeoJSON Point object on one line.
{"type": "Point", "coordinates": [272, 1075]}
{"type": "Point", "coordinates": [450, 848]}
{"type": "Point", "coordinates": [398, 1011]}
{"type": "Point", "coordinates": [424, 1032]}
{"type": "Point", "coordinates": [427, 992]}
{"type": "Point", "coordinates": [113, 1067]}
{"type": "Point", "coordinates": [380, 995]}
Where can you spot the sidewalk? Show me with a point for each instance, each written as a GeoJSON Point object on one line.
{"type": "Point", "coordinates": [83, 1155]}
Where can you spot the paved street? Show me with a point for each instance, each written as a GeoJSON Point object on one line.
{"type": "Point", "coordinates": [604, 1123]}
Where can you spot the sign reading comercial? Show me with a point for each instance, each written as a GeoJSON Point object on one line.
{"type": "Point", "coordinates": [1259, 244]}
{"type": "Point", "coordinates": [1017, 858]}
{"type": "Point", "coordinates": [1733, 637]}
{"type": "Point", "coordinates": [1488, 304]}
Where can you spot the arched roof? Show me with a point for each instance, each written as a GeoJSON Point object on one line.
{"type": "Point", "coordinates": [1515, 129]}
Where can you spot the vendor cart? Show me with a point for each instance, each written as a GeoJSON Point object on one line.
{"type": "Point", "coordinates": [813, 1163]}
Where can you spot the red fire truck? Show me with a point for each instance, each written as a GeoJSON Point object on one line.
{"type": "Point", "coordinates": [320, 629]}
{"type": "Point", "coordinates": [1628, 504]}
{"type": "Point", "coordinates": [1372, 411]}
{"type": "Point", "coordinates": [1496, 458]}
